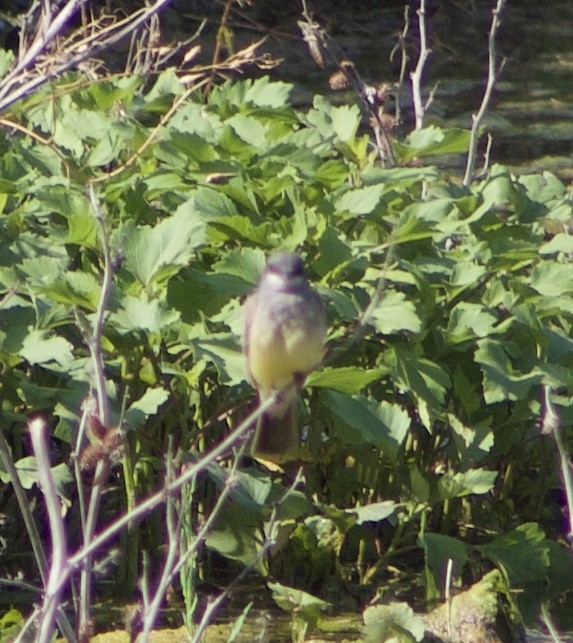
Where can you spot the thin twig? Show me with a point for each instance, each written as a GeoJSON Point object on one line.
{"type": "Point", "coordinates": [267, 544]}
{"type": "Point", "coordinates": [493, 73]}
{"type": "Point", "coordinates": [321, 46]}
{"type": "Point", "coordinates": [31, 528]}
{"type": "Point", "coordinates": [152, 607]}
{"type": "Point", "coordinates": [103, 465]}
{"type": "Point", "coordinates": [401, 46]}
{"type": "Point", "coordinates": [552, 425]}
{"type": "Point", "coordinates": [416, 75]}
{"type": "Point", "coordinates": [146, 506]}
{"type": "Point", "coordinates": [27, 75]}
{"type": "Point", "coordinates": [47, 620]}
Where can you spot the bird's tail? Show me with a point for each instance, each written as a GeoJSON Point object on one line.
{"type": "Point", "coordinates": [277, 437]}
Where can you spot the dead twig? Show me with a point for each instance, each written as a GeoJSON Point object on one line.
{"type": "Point", "coordinates": [493, 73]}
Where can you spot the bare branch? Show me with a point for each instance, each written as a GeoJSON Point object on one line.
{"type": "Point", "coordinates": [401, 46]}
{"type": "Point", "coordinates": [492, 76]}
{"type": "Point", "coordinates": [416, 75]}
{"type": "Point", "coordinates": [31, 71]}
{"type": "Point", "coordinates": [47, 620]}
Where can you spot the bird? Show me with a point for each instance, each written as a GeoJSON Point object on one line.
{"type": "Point", "coordinates": [284, 338]}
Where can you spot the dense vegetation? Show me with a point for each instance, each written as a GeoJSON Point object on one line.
{"type": "Point", "coordinates": [136, 215]}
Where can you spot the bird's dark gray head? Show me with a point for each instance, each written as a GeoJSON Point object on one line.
{"type": "Point", "coordinates": [286, 264]}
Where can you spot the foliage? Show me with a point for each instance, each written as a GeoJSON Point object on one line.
{"type": "Point", "coordinates": [449, 307]}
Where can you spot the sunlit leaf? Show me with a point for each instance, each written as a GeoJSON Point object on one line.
{"type": "Point", "coordinates": [159, 252]}
{"type": "Point", "coordinates": [347, 379]}
{"type": "Point", "coordinates": [361, 420]}
{"type": "Point", "coordinates": [393, 622]}
{"type": "Point", "coordinates": [433, 141]}
{"type": "Point", "coordinates": [374, 512]}
{"type": "Point", "coordinates": [466, 483]}
{"type": "Point", "coordinates": [39, 348]}
{"type": "Point", "coordinates": [145, 406]}
{"type": "Point", "coordinates": [396, 313]}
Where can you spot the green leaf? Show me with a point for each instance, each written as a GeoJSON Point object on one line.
{"type": "Point", "coordinates": [361, 420]}
{"type": "Point", "coordinates": [28, 474]}
{"type": "Point", "coordinates": [345, 121]}
{"type": "Point", "coordinates": [155, 254]}
{"type": "Point", "coordinates": [225, 353]}
{"type": "Point", "coordinates": [458, 485]}
{"type": "Point", "coordinates": [249, 129]}
{"type": "Point", "coordinates": [82, 230]}
{"type": "Point", "coordinates": [438, 549]}
{"type": "Point", "coordinates": [347, 379]}
{"type": "Point", "coordinates": [561, 242]}
{"type": "Point", "coordinates": [360, 200]}
{"type": "Point", "coordinates": [523, 554]}
{"type": "Point", "coordinates": [395, 313]}
{"type": "Point", "coordinates": [77, 289]}
{"type": "Point", "coordinates": [292, 600]}
{"type": "Point", "coordinates": [250, 488]}
{"type": "Point", "coordinates": [236, 536]}
{"type": "Point", "coordinates": [146, 405]}
{"type": "Point", "coordinates": [469, 320]}
{"type": "Point", "coordinates": [432, 141]}
{"type": "Point", "coordinates": [501, 380]}
{"type": "Point", "coordinates": [426, 380]}
{"type": "Point", "coordinates": [39, 348]}
{"type": "Point", "coordinates": [141, 313]}
{"type": "Point", "coordinates": [394, 623]}
{"type": "Point", "coordinates": [374, 512]}
{"type": "Point", "coordinates": [552, 279]}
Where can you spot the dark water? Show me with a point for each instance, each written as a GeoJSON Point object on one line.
{"type": "Point", "coordinates": [531, 114]}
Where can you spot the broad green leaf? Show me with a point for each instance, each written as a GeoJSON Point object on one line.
{"type": "Point", "coordinates": [154, 254]}
{"type": "Point", "coordinates": [438, 549]}
{"type": "Point", "coordinates": [469, 320]}
{"type": "Point", "coordinates": [249, 129]}
{"type": "Point", "coordinates": [225, 353]}
{"type": "Point", "coordinates": [39, 348]}
{"type": "Point", "coordinates": [501, 380]}
{"type": "Point", "coordinates": [347, 379]}
{"type": "Point", "coordinates": [210, 204]}
{"type": "Point", "coordinates": [345, 121]}
{"type": "Point", "coordinates": [292, 600]}
{"type": "Point", "coordinates": [266, 93]}
{"type": "Point", "coordinates": [523, 554]}
{"type": "Point", "coordinates": [431, 141]}
{"type": "Point", "coordinates": [498, 188]}
{"type": "Point", "coordinates": [362, 420]}
{"type": "Point", "coordinates": [474, 481]}
{"type": "Point", "coordinates": [360, 200]}
{"type": "Point", "coordinates": [147, 405]}
{"type": "Point", "coordinates": [236, 536]}
{"type": "Point", "coordinates": [473, 443]}
{"type": "Point", "coordinates": [552, 279]}
{"type": "Point", "coordinates": [250, 488]}
{"type": "Point", "coordinates": [75, 288]}
{"type": "Point", "coordinates": [561, 242]}
{"type": "Point", "coordinates": [374, 512]}
{"type": "Point", "coordinates": [82, 230]}
{"type": "Point", "coordinates": [395, 313]}
{"type": "Point", "coordinates": [28, 474]}
{"type": "Point", "coordinates": [142, 313]}
{"type": "Point", "coordinates": [426, 380]}
{"type": "Point", "coordinates": [393, 622]}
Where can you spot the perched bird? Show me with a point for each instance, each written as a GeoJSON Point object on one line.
{"type": "Point", "coordinates": [285, 331]}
